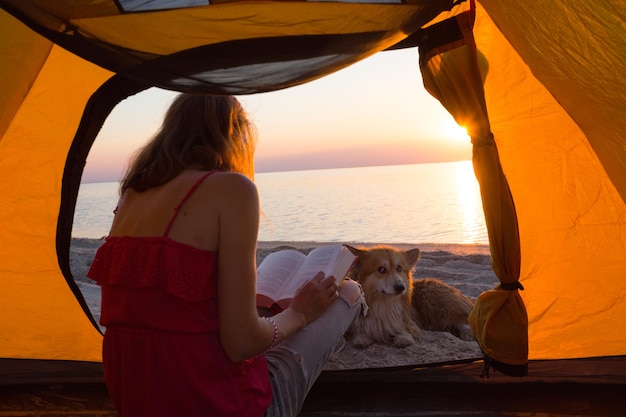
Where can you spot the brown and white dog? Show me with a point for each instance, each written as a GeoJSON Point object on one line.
{"type": "Point", "coordinates": [399, 305]}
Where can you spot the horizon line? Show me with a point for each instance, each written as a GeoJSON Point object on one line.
{"type": "Point", "coordinates": [263, 171]}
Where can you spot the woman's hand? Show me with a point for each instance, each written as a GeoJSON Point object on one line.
{"type": "Point", "coordinates": [314, 297]}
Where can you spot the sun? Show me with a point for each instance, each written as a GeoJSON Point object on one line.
{"type": "Point", "coordinates": [451, 130]}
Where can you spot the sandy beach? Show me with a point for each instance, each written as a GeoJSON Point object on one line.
{"type": "Point", "coordinates": [467, 267]}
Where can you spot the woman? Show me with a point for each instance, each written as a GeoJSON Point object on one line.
{"type": "Point", "coordinates": [178, 273]}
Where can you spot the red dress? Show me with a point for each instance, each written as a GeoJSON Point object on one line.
{"type": "Point", "coordinates": [161, 353]}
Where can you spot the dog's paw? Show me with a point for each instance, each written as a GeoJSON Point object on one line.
{"type": "Point", "coordinates": [415, 331]}
{"type": "Point", "coordinates": [361, 341]}
{"type": "Point", "coordinates": [403, 340]}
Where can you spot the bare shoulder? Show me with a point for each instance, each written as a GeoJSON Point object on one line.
{"type": "Point", "coordinates": [233, 185]}
{"type": "Point", "coordinates": [233, 180]}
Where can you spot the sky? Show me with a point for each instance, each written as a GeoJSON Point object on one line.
{"type": "Point", "coordinates": [373, 113]}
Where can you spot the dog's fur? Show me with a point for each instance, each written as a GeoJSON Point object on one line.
{"type": "Point", "coordinates": [384, 276]}
{"type": "Point", "coordinates": [399, 305]}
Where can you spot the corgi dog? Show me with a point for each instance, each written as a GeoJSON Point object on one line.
{"type": "Point", "coordinates": [398, 305]}
{"type": "Point", "coordinates": [384, 275]}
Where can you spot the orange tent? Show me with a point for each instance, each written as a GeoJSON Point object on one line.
{"type": "Point", "coordinates": [540, 86]}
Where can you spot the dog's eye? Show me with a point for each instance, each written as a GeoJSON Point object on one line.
{"type": "Point", "coordinates": [399, 268]}
{"type": "Point", "coordinates": [382, 269]}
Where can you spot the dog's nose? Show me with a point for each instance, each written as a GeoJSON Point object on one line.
{"type": "Point", "coordinates": [399, 287]}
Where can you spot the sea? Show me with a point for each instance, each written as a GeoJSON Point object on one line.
{"type": "Point", "coordinates": [420, 203]}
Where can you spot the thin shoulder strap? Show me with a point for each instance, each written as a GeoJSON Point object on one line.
{"type": "Point", "coordinates": [185, 198]}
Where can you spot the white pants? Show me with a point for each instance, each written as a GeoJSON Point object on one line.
{"type": "Point", "coordinates": [296, 363]}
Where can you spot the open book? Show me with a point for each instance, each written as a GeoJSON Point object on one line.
{"type": "Point", "coordinates": [281, 273]}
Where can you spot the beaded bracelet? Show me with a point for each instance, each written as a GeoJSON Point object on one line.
{"type": "Point", "coordinates": [275, 339]}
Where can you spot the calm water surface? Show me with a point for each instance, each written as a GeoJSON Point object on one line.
{"type": "Point", "coordinates": [434, 203]}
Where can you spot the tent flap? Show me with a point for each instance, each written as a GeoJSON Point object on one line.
{"type": "Point", "coordinates": [452, 73]}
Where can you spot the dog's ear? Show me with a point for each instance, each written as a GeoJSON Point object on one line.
{"type": "Point", "coordinates": [356, 266]}
{"type": "Point", "coordinates": [355, 251]}
{"type": "Point", "coordinates": [412, 255]}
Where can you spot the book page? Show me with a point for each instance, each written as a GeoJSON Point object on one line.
{"type": "Point", "coordinates": [322, 259]}
{"type": "Point", "coordinates": [343, 263]}
{"type": "Point", "coordinates": [275, 271]}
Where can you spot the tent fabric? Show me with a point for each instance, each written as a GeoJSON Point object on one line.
{"type": "Point", "coordinates": [227, 47]}
{"type": "Point", "coordinates": [554, 96]}
{"type": "Point", "coordinates": [40, 316]}
{"type": "Point", "coordinates": [452, 73]}
{"type": "Point", "coordinates": [571, 216]}
{"type": "Point", "coordinates": [576, 51]}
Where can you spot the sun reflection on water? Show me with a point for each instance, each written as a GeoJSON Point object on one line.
{"type": "Point", "coordinates": [470, 203]}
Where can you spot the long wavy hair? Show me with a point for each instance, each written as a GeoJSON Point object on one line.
{"type": "Point", "coordinates": [204, 132]}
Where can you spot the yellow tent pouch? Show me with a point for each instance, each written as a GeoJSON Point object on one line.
{"type": "Point", "coordinates": [500, 325]}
